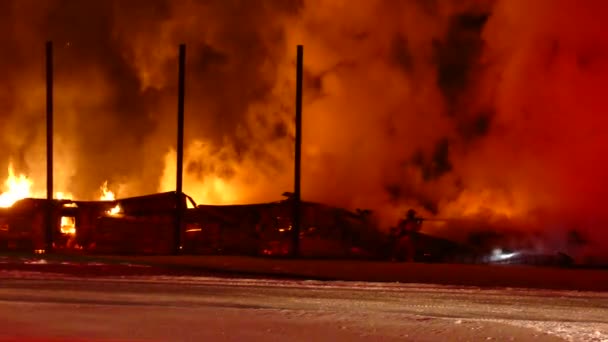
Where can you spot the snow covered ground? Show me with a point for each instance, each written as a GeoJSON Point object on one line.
{"type": "Point", "coordinates": [186, 308]}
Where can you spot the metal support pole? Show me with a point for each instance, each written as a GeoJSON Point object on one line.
{"type": "Point", "coordinates": [298, 154]}
{"type": "Point", "coordinates": [180, 150]}
{"type": "Point", "coordinates": [49, 147]}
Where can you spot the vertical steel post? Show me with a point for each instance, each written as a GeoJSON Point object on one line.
{"type": "Point", "coordinates": [298, 154]}
{"type": "Point", "coordinates": [180, 150]}
{"type": "Point", "coordinates": [49, 147]}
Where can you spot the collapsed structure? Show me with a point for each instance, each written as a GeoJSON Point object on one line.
{"type": "Point", "coordinates": [145, 225]}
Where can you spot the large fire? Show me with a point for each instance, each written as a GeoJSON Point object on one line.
{"type": "Point", "coordinates": [456, 108]}
{"type": "Point", "coordinates": [18, 187]}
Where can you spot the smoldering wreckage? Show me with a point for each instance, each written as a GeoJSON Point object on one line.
{"type": "Point", "coordinates": [146, 225]}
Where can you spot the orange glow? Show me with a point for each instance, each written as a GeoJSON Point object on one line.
{"type": "Point", "coordinates": [18, 187]}
{"type": "Point", "coordinates": [68, 225]}
{"type": "Point", "coordinates": [108, 195]}
{"type": "Point", "coordinates": [213, 188]}
{"type": "Point", "coordinates": [62, 196]}
{"type": "Point", "coordinates": [487, 204]}
{"type": "Point", "coordinates": [115, 210]}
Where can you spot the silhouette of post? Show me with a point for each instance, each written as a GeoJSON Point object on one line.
{"type": "Point", "coordinates": [298, 154]}
{"type": "Point", "coordinates": [179, 212]}
{"type": "Point", "coordinates": [49, 147]}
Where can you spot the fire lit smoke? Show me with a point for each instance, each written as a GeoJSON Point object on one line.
{"type": "Point", "coordinates": [482, 111]}
{"type": "Point", "coordinates": [18, 187]}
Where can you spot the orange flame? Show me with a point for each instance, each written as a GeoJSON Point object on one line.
{"type": "Point", "coordinates": [108, 195]}
{"type": "Point", "coordinates": [68, 225]}
{"type": "Point", "coordinates": [18, 187]}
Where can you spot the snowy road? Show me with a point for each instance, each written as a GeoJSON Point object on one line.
{"type": "Point", "coordinates": [162, 308]}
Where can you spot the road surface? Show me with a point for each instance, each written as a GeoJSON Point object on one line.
{"type": "Point", "coordinates": [58, 307]}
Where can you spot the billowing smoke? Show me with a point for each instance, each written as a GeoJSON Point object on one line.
{"type": "Point", "coordinates": [545, 65]}
{"type": "Point", "coordinates": [489, 112]}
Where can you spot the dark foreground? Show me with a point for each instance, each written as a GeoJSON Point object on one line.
{"type": "Point", "coordinates": [48, 306]}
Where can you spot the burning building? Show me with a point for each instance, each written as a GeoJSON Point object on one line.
{"type": "Point", "coordinates": [24, 217]}
{"type": "Point", "coordinates": [145, 225]}
{"type": "Point", "coordinates": [479, 111]}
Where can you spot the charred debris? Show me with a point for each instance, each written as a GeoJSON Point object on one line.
{"type": "Point", "coordinates": [145, 225]}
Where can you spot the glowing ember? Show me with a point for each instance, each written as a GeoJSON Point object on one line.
{"type": "Point", "coordinates": [115, 210]}
{"type": "Point", "coordinates": [68, 225]}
